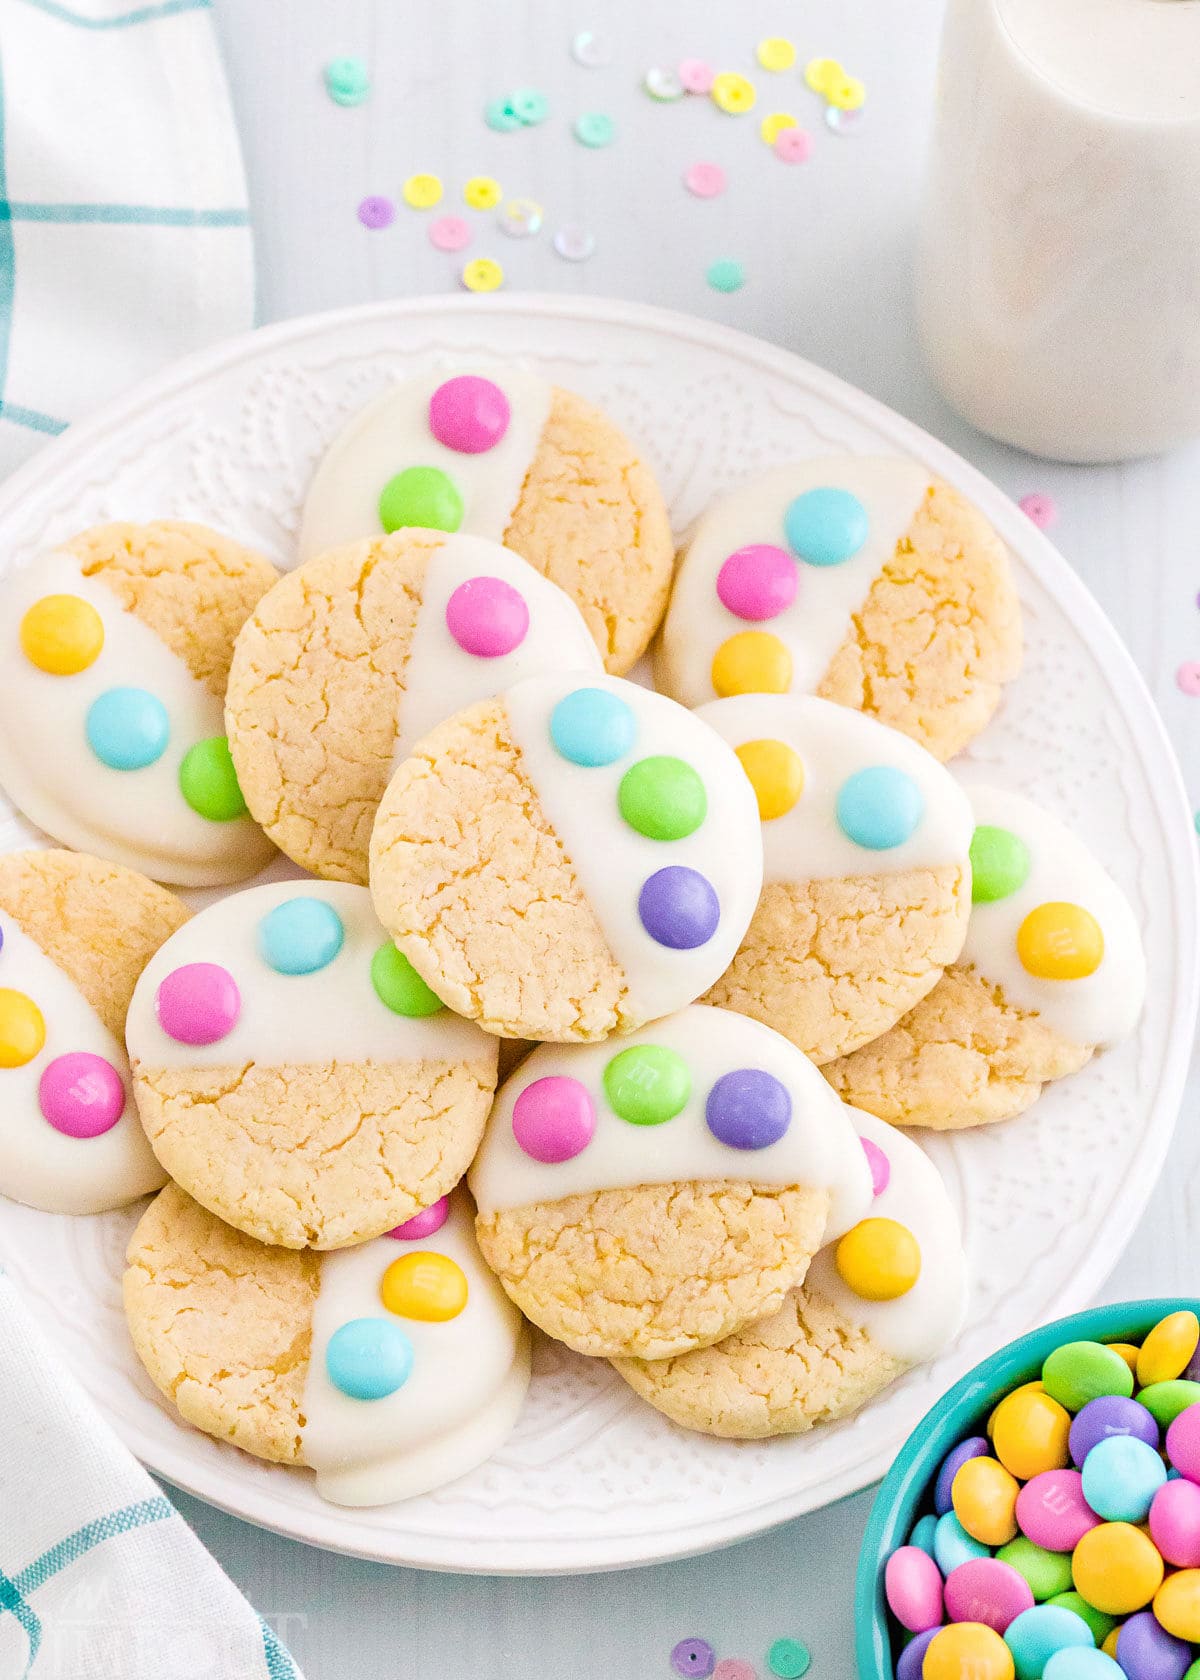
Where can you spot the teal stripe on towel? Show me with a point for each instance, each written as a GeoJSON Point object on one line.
{"type": "Point", "coordinates": [90, 1535]}
{"type": "Point", "coordinates": [145, 215]}
{"type": "Point", "coordinates": [279, 1664]}
{"type": "Point", "coordinates": [141, 14]}
{"type": "Point", "coordinates": [32, 419]}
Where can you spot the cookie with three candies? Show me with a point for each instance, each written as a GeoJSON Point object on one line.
{"type": "Point", "coordinates": [888, 1293]}
{"type": "Point", "coordinates": [388, 1368]}
{"type": "Point", "coordinates": [114, 653]}
{"type": "Point", "coordinates": [75, 934]}
{"type": "Point", "coordinates": [295, 1076]}
{"type": "Point", "coordinates": [570, 859]}
{"type": "Point", "coordinates": [866, 881]}
{"type": "Point", "coordinates": [1052, 971]}
{"type": "Point", "coordinates": [862, 580]}
{"type": "Point", "coordinates": [508, 456]}
{"type": "Point", "coordinates": [351, 659]}
{"type": "Point", "coordinates": [655, 1193]}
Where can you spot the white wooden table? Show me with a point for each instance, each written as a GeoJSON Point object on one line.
{"type": "Point", "coordinates": [826, 251]}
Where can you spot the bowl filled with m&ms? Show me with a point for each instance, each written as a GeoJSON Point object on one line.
{"type": "Point", "coordinates": [1043, 1520]}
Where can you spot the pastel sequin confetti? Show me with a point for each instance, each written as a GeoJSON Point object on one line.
{"type": "Point", "coordinates": [726, 275]}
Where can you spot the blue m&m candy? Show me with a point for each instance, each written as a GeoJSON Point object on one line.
{"type": "Point", "coordinates": [368, 1358]}
{"type": "Point", "coordinates": [1121, 1475]}
{"type": "Point", "coordinates": [592, 727]}
{"type": "Point", "coordinates": [826, 526]}
{"type": "Point", "coordinates": [127, 728]}
{"type": "Point", "coordinates": [879, 807]}
{"type": "Point", "coordinates": [300, 936]}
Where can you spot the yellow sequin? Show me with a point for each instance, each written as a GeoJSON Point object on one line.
{"type": "Point", "coordinates": [776, 52]}
{"type": "Point", "coordinates": [62, 635]}
{"type": "Point", "coordinates": [482, 275]}
{"type": "Point", "coordinates": [422, 192]}
{"type": "Point", "coordinates": [426, 1286]}
{"type": "Point", "coordinates": [773, 126]}
{"type": "Point", "coordinates": [483, 192]}
{"type": "Point", "coordinates": [733, 93]}
{"type": "Point", "coordinates": [820, 73]}
{"type": "Point", "coordinates": [846, 92]}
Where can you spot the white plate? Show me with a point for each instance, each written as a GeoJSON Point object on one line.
{"type": "Point", "coordinates": [592, 1478]}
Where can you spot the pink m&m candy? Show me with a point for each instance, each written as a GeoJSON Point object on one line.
{"type": "Point", "coordinates": [881, 1167]}
{"type": "Point", "coordinates": [554, 1118]}
{"type": "Point", "coordinates": [1052, 1512]}
{"type": "Point", "coordinates": [912, 1584]}
{"type": "Point", "coordinates": [1175, 1522]}
{"type": "Point", "coordinates": [987, 1590]}
{"type": "Point", "coordinates": [758, 582]}
{"type": "Point", "coordinates": [423, 1224]}
{"type": "Point", "coordinates": [81, 1095]}
{"type": "Point", "coordinates": [487, 617]}
{"type": "Point", "coordinates": [469, 414]}
{"type": "Point", "coordinates": [198, 1003]}
{"type": "Point", "coordinates": [1183, 1443]}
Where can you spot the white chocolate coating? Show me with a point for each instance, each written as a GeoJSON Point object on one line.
{"type": "Point", "coordinates": [40, 1165]}
{"type": "Point", "coordinates": [819, 1148]}
{"type": "Point", "coordinates": [1099, 1009]}
{"type": "Point", "coordinates": [918, 1325]}
{"type": "Point", "coordinates": [135, 817]}
{"type": "Point", "coordinates": [612, 860]}
{"type": "Point", "coordinates": [461, 1400]}
{"type": "Point", "coordinates": [816, 623]}
{"type": "Point", "coordinates": [833, 742]}
{"type": "Point", "coordinates": [441, 678]}
{"type": "Point", "coordinates": [293, 1020]}
{"type": "Point", "coordinates": [392, 433]}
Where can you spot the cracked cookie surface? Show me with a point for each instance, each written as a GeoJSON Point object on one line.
{"type": "Point", "coordinates": [657, 1269]}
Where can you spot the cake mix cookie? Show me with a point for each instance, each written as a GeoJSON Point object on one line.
{"type": "Point", "coordinates": [115, 653]}
{"type": "Point", "coordinates": [75, 933]}
{"type": "Point", "coordinates": [889, 1293]}
{"type": "Point", "coordinates": [389, 1368]}
{"type": "Point", "coordinates": [866, 888]}
{"type": "Point", "coordinates": [512, 458]}
{"type": "Point", "coordinates": [294, 1074]}
{"type": "Point", "coordinates": [348, 661]}
{"type": "Point", "coordinates": [865, 581]}
{"type": "Point", "coordinates": [1052, 970]}
{"type": "Point", "coordinates": [651, 1195]}
{"type": "Point", "coordinates": [569, 859]}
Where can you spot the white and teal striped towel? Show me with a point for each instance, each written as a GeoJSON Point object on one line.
{"type": "Point", "coordinates": [124, 234]}
{"type": "Point", "coordinates": [100, 1578]}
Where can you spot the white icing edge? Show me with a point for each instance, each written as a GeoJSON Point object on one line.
{"type": "Point", "coordinates": [135, 817]}
{"type": "Point", "coordinates": [833, 742]}
{"type": "Point", "coordinates": [819, 1148]}
{"type": "Point", "coordinates": [1098, 1010]}
{"type": "Point", "coordinates": [294, 1019]}
{"type": "Point", "coordinates": [916, 1326]}
{"type": "Point", "coordinates": [468, 1381]}
{"type": "Point", "coordinates": [40, 1165]}
{"type": "Point", "coordinates": [392, 433]}
{"type": "Point", "coordinates": [612, 860]}
{"type": "Point", "coordinates": [815, 625]}
{"type": "Point", "coordinates": [440, 678]}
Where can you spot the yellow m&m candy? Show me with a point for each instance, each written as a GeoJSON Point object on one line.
{"type": "Point", "coordinates": [776, 773]}
{"type": "Point", "coordinates": [1117, 1568]}
{"type": "Point", "coordinates": [22, 1028]}
{"type": "Point", "coordinates": [1167, 1350]}
{"type": "Point", "coordinates": [1029, 1433]}
{"type": "Point", "coordinates": [1177, 1604]}
{"type": "Point", "coordinates": [878, 1259]}
{"type": "Point", "coordinates": [62, 634]}
{"type": "Point", "coordinates": [752, 662]}
{"type": "Point", "coordinates": [424, 1286]}
{"type": "Point", "coordinates": [1060, 942]}
{"type": "Point", "coordinates": [967, 1651]}
{"type": "Point", "coordinates": [1128, 1353]}
{"type": "Point", "coordinates": [984, 1496]}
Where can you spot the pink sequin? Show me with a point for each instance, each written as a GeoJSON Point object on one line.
{"type": "Point", "coordinates": [450, 233]}
{"type": "Point", "coordinates": [793, 145]}
{"type": "Point", "coordinates": [696, 74]}
{"type": "Point", "coordinates": [705, 180]}
{"type": "Point", "coordinates": [1188, 676]}
{"type": "Point", "coordinates": [1039, 507]}
{"type": "Point", "coordinates": [734, 1668]}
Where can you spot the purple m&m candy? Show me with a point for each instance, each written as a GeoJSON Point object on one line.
{"type": "Point", "coordinates": [1146, 1651]}
{"type": "Point", "coordinates": [679, 908]}
{"type": "Point", "coordinates": [912, 1659]}
{"type": "Point", "coordinates": [986, 1590]}
{"type": "Point", "coordinates": [468, 414]}
{"type": "Point", "coordinates": [748, 1109]}
{"type": "Point", "coordinates": [423, 1224]}
{"type": "Point", "coordinates": [912, 1584]}
{"type": "Point", "coordinates": [198, 1003]}
{"type": "Point", "coordinates": [1110, 1414]}
{"type": "Point", "coordinates": [975, 1447]}
{"type": "Point", "coordinates": [554, 1118]}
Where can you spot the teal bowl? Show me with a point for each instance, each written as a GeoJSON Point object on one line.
{"type": "Point", "coordinates": [906, 1490]}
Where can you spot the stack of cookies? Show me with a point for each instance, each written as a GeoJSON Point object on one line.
{"type": "Point", "coordinates": [564, 1000]}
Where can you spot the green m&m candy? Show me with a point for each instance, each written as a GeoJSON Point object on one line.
{"type": "Point", "coordinates": [398, 984]}
{"type": "Point", "coordinates": [424, 496]}
{"type": "Point", "coordinates": [1100, 1624]}
{"type": "Point", "coordinates": [662, 798]}
{"type": "Point", "coordinates": [1078, 1372]}
{"type": "Point", "coordinates": [647, 1084]}
{"type": "Point", "coordinates": [1047, 1573]}
{"type": "Point", "coordinates": [999, 863]}
{"type": "Point", "coordinates": [1165, 1400]}
{"type": "Point", "coordinates": [209, 782]}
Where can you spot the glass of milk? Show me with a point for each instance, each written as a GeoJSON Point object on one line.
{"type": "Point", "coordinates": [1058, 271]}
